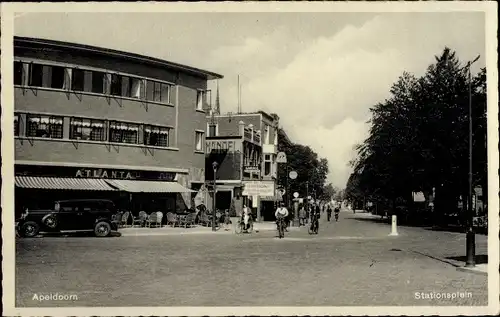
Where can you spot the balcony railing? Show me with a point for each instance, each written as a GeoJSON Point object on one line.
{"type": "Point", "coordinates": [248, 134]}
{"type": "Point", "coordinates": [256, 137]}
{"type": "Point", "coordinates": [252, 135]}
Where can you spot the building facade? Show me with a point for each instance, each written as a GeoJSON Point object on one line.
{"type": "Point", "coordinates": [135, 123]}
{"type": "Point", "coordinates": [245, 148]}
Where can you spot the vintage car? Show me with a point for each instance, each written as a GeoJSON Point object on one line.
{"type": "Point", "coordinates": [83, 215]}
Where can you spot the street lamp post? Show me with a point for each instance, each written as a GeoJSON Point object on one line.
{"type": "Point", "coordinates": [214, 166]}
{"type": "Point", "coordinates": [470, 235]}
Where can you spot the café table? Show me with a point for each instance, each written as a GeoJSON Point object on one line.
{"type": "Point", "coordinates": [181, 216]}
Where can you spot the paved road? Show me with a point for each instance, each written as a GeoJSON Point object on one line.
{"type": "Point", "coordinates": [352, 262]}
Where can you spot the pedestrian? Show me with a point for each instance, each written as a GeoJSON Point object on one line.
{"type": "Point", "coordinates": [329, 213]}
{"type": "Point", "coordinates": [302, 215]}
{"type": "Point", "coordinates": [227, 220]}
{"type": "Point", "coordinates": [245, 215]}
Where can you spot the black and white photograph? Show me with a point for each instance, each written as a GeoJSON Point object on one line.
{"type": "Point", "coordinates": [250, 159]}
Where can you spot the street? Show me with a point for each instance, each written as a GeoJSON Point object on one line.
{"type": "Point", "coordinates": [352, 262]}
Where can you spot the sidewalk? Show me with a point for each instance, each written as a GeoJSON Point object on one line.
{"type": "Point", "coordinates": [198, 229]}
{"type": "Point", "coordinates": [442, 245]}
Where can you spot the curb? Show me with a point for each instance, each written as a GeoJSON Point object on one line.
{"type": "Point", "coordinates": [459, 267]}
{"type": "Point", "coordinates": [141, 234]}
{"type": "Point", "coordinates": [473, 270]}
{"type": "Point", "coordinates": [130, 233]}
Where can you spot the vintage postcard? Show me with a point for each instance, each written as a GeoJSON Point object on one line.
{"type": "Point", "coordinates": [276, 158]}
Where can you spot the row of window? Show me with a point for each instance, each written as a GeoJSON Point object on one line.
{"type": "Point", "coordinates": [80, 80]}
{"type": "Point", "coordinates": [44, 126]}
{"type": "Point", "coordinates": [212, 131]}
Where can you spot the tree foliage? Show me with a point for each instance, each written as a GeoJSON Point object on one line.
{"type": "Point", "coordinates": [311, 169]}
{"type": "Point", "coordinates": [418, 137]}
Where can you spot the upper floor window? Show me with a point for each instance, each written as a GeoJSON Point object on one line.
{"type": "Point", "coordinates": [212, 130]}
{"type": "Point", "coordinates": [157, 91]}
{"type": "Point", "coordinates": [16, 124]}
{"type": "Point", "coordinates": [59, 77]}
{"type": "Point", "coordinates": [116, 85]}
{"type": "Point", "coordinates": [267, 134]}
{"type": "Point", "coordinates": [267, 165]}
{"type": "Point", "coordinates": [20, 73]}
{"type": "Point", "coordinates": [198, 141]}
{"type": "Point", "coordinates": [35, 75]}
{"type": "Point", "coordinates": [86, 129]}
{"type": "Point", "coordinates": [78, 80]}
{"type": "Point", "coordinates": [121, 132]}
{"type": "Point", "coordinates": [203, 100]}
{"type": "Point", "coordinates": [132, 87]}
{"type": "Point", "coordinates": [156, 136]}
{"type": "Point", "coordinates": [98, 82]}
{"type": "Point", "coordinates": [45, 126]}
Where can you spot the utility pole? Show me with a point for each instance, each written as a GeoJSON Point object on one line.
{"type": "Point", "coordinates": [470, 235]}
{"type": "Point", "coordinates": [287, 193]}
{"type": "Point", "coordinates": [214, 227]}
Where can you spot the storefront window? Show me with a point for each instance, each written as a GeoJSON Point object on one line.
{"type": "Point", "coordinates": [156, 136]}
{"type": "Point", "coordinates": [45, 126]}
{"type": "Point", "coordinates": [121, 132]}
{"type": "Point", "coordinates": [86, 129]}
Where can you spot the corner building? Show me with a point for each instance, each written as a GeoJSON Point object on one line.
{"type": "Point", "coordinates": [245, 146]}
{"type": "Point", "coordinates": [92, 122]}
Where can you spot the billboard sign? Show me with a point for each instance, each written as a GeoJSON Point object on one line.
{"type": "Point", "coordinates": [258, 188]}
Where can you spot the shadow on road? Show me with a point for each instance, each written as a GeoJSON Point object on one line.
{"type": "Point", "coordinates": [456, 229]}
{"type": "Point", "coordinates": [113, 234]}
{"type": "Point", "coordinates": [480, 259]}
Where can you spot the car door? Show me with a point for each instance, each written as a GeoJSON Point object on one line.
{"type": "Point", "coordinates": [67, 218]}
{"type": "Point", "coordinates": [85, 216]}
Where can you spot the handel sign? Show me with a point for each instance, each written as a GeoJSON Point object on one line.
{"type": "Point", "coordinates": [221, 146]}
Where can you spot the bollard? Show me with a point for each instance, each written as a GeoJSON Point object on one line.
{"type": "Point", "coordinates": [394, 228]}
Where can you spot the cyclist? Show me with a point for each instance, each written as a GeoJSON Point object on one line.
{"type": "Point", "coordinates": [337, 211]}
{"type": "Point", "coordinates": [281, 214]}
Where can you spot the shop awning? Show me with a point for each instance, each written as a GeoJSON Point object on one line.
{"type": "Point", "coordinates": [62, 183]}
{"type": "Point", "coordinates": [132, 186]}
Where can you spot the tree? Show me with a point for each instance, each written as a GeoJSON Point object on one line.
{"type": "Point", "coordinates": [328, 192]}
{"type": "Point", "coordinates": [311, 169]}
{"type": "Point", "coordinates": [418, 138]}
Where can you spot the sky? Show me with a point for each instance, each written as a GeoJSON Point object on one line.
{"type": "Point", "coordinates": [320, 72]}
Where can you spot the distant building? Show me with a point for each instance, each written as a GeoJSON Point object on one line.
{"type": "Point", "coordinates": [245, 146]}
{"type": "Point", "coordinates": [99, 123]}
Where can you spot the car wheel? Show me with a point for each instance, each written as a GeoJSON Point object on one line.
{"type": "Point", "coordinates": [29, 229]}
{"type": "Point", "coordinates": [50, 221]}
{"type": "Point", "coordinates": [102, 229]}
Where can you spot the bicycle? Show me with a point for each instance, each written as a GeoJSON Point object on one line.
{"type": "Point", "coordinates": [240, 226]}
{"type": "Point", "coordinates": [314, 227]}
{"type": "Point", "coordinates": [281, 228]}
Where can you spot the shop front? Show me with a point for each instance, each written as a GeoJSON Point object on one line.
{"type": "Point", "coordinates": [131, 190]}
